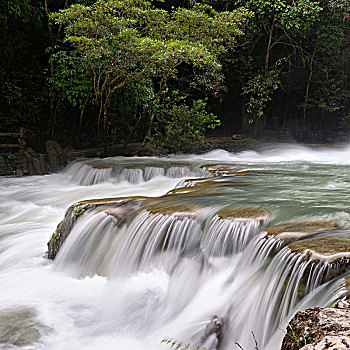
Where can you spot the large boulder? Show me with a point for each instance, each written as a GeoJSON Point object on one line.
{"type": "Point", "coordinates": [56, 156]}
{"type": "Point", "coordinates": [318, 328]}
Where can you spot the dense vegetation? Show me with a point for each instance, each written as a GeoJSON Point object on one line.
{"type": "Point", "coordinates": [88, 72]}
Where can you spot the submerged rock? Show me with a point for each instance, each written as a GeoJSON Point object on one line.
{"type": "Point", "coordinates": [224, 170]}
{"type": "Point", "coordinates": [291, 231]}
{"type": "Point", "coordinates": [193, 191]}
{"type": "Point", "coordinates": [318, 328]}
{"type": "Point", "coordinates": [18, 328]}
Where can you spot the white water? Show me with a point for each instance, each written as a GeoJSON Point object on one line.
{"type": "Point", "coordinates": [98, 298]}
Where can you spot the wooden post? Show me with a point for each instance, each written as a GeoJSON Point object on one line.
{"type": "Point", "coordinates": [21, 140]}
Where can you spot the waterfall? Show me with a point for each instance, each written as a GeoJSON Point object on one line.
{"type": "Point", "coordinates": [189, 242]}
{"type": "Point", "coordinates": [92, 172]}
{"type": "Point", "coordinates": [136, 261]}
{"type": "Point", "coordinates": [86, 175]}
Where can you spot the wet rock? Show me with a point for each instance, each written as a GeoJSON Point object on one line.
{"type": "Point", "coordinates": [65, 227]}
{"type": "Point", "coordinates": [43, 163]}
{"type": "Point", "coordinates": [31, 160]}
{"type": "Point", "coordinates": [212, 334]}
{"type": "Point", "coordinates": [215, 169]}
{"type": "Point", "coordinates": [55, 155]}
{"type": "Point", "coordinates": [180, 211]}
{"type": "Point", "coordinates": [194, 191]}
{"type": "Point", "coordinates": [18, 328]}
{"type": "Point", "coordinates": [133, 167]}
{"type": "Point", "coordinates": [224, 170]}
{"type": "Point", "coordinates": [330, 343]}
{"type": "Point", "coordinates": [102, 167]}
{"type": "Point", "coordinates": [120, 208]}
{"type": "Point", "coordinates": [291, 231]}
{"type": "Point", "coordinates": [318, 328]}
{"type": "Point", "coordinates": [21, 162]}
{"type": "Point", "coordinates": [113, 201]}
{"type": "Point", "coordinates": [328, 249]}
{"type": "Point", "coordinates": [244, 213]}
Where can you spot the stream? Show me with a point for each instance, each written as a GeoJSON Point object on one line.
{"type": "Point", "coordinates": [130, 284]}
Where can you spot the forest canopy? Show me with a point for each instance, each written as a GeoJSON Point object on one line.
{"type": "Point", "coordinates": [96, 72]}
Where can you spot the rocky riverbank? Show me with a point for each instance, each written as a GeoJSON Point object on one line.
{"type": "Point", "coordinates": [319, 328]}
{"type": "Point", "coordinates": [29, 162]}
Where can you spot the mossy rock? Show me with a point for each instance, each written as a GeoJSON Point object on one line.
{"type": "Point", "coordinates": [192, 191]}
{"type": "Point", "coordinates": [225, 170]}
{"type": "Point", "coordinates": [193, 182]}
{"type": "Point", "coordinates": [330, 249]}
{"type": "Point", "coordinates": [102, 167]}
{"type": "Point", "coordinates": [179, 210]}
{"type": "Point", "coordinates": [292, 231]}
{"type": "Point", "coordinates": [116, 200]}
{"type": "Point", "coordinates": [244, 213]}
{"type": "Point", "coordinates": [210, 182]}
{"type": "Point", "coordinates": [65, 227]}
{"type": "Point", "coordinates": [120, 208]}
{"type": "Point", "coordinates": [155, 165]}
{"type": "Point", "coordinates": [180, 165]}
{"type": "Point", "coordinates": [19, 328]}
{"type": "Point", "coordinates": [129, 167]}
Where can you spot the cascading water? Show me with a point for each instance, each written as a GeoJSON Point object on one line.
{"type": "Point", "coordinates": [133, 272]}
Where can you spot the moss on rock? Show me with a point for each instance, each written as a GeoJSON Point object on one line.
{"type": "Point", "coordinates": [65, 227]}
{"type": "Point", "coordinates": [331, 248]}
{"type": "Point", "coordinates": [180, 210]}
{"type": "Point", "coordinates": [244, 213]}
{"type": "Point", "coordinates": [292, 231]}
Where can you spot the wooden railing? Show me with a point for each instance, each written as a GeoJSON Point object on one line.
{"type": "Point", "coordinates": [21, 140]}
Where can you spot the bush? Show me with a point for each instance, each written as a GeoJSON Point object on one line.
{"type": "Point", "coordinates": [180, 128]}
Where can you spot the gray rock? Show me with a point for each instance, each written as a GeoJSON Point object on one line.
{"type": "Point", "coordinates": [43, 163]}
{"type": "Point", "coordinates": [330, 343]}
{"type": "Point", "coordinates": [312, 328]}
{"type": "Point", "coordinates": [56, 156]}
{"type": "Point", "coordinates": [21, 162]}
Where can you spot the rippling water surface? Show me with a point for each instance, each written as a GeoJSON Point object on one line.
{"type": "Point", "coordinates": [46, 305]}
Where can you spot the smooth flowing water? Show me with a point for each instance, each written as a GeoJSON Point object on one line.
{"type": "Point", "coordinates": [129, 285]}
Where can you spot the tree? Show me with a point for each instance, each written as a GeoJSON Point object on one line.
{"type": "Point", "coordinates": [124, 41]}
{"type": "Point", "coordinates": [274, 23]}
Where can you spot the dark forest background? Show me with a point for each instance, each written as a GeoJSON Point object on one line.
{"type": "Point", "coordinates": [288, 72]}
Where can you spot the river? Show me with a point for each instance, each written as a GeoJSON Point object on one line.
{"type": "Point", "coordinates": [96, 295]}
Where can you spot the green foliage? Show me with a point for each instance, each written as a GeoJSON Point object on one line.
{"type": "Point", "coordinates": [71, 80]}
{"type": "Point", "coordinates": [126, 41]}
{"type": "Point", "coordinates": [180, 127]}
{"type": "Point", "coordinates": [259, 89]}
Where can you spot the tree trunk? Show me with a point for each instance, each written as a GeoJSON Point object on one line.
{"type": "Point", "coordinates": [245, 124]}
{"type": "Point", "coordinates": [308, 85]}
{"type": "Point", "coordinates": [149, 129]}
{"type": "Point", "coordinates": [268, 49]}
{"type": "Point", "coordinates": [105, 131]}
